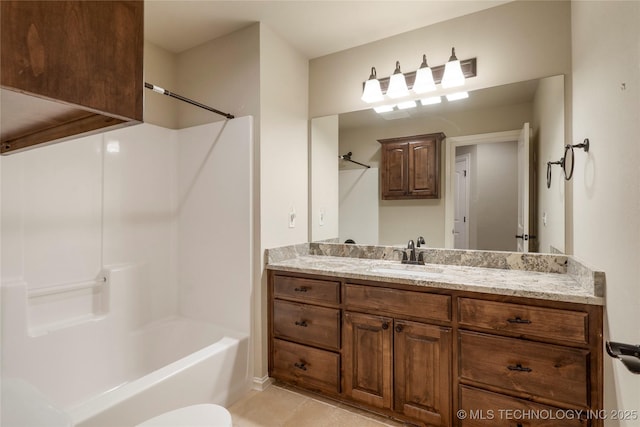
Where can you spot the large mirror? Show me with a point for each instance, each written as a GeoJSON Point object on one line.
{"type": "Point", "coordinates": [481, 146]}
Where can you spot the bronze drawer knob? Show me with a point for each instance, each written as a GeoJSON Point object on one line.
{"type": "Point", "coordinates": [301, 289]}
{"type": "Point", "coordinates": [301, 365]}
{"type": "Point", "coordinates": [518, 320]}
{"type": "Point", "coordinates": [519, 368]}
{"type": "Point", "coordinates": [302, 323]}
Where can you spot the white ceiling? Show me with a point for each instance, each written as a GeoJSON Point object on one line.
{"type": "Point", "coordinates": [314, 28]}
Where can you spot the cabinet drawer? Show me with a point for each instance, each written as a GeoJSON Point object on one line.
{"type": "Point", "coordinates": [305, 366]}
{"type": "Point", "coordinates": [307, 323]}
{"type": "Point", "coordinates": [525, 320]}
{"type": "Point", "coordinates": [484, 408]}
{"type": "Point", "coordinates": [311, 290]}
{"type": "Point", "coordinates": [537, 370]}
{"type": "Point", "coordinates": [406, 303]}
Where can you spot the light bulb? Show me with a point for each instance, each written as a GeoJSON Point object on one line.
{"type": "Point", "coordinates": [397, 84]}
{"type": "Point", "coordinates": [453, 75]}
{"type": "Point", "coordinates": [424, 78]}
{"type": "Point", "coordinates": [372, 91]}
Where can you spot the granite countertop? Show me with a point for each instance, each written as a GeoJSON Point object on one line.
{"type": "Point", "coordinates": [553, 286]}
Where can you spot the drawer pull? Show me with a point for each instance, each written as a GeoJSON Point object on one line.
{"type": "Point", "coordinates": [301, 365]}
{"type": "Point", "coordinates": [302, 323]}
{"type": "Point", "coordinates": [519, 368]}
{"type": "Point", "coordinates": [385, 325]}
{"type": "Point", "coordinates": [519, 321]}
{"type": "Point", "coordinates": [301, 289]}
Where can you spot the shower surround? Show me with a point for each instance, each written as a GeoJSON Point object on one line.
{"type": "Point", "coordinates": [108, 235]}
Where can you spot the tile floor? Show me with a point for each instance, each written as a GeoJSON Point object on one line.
{"type": "Point", "coordinates": [280, 406]}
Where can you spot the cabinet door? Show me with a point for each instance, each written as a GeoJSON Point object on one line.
{"type": "Point", "coordinates": [394, 171]}
{"type": "Point", "coordinates": [423, 372]}
{"type": "Point", "coordinates": [367, 353]}
{"type": "Point", "coordinates": [424, 168]}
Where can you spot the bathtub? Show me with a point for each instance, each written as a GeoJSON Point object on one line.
{"type": "Point", "coordinates": [114, 367]}
{"type": "Point", "coordinates": [172, 363]}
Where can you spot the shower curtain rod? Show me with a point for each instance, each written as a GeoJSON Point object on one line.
{"type": "Point", "coordinates": [347, 157]}
{"type": "Point", "coordinates": [163, 91]}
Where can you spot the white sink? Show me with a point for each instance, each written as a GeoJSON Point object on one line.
{"type": "Point", "coordinates": [422, 274]}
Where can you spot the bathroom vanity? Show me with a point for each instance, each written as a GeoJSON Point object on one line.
{"type": "Point", "coordinates": [442, 344]}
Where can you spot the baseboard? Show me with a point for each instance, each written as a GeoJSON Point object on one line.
{"type": "Point", "coordinates": [261, 384]}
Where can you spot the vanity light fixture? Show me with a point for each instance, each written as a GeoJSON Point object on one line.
{"type": "Point", "coordinates": [397, 84]}
{"type": "Point", "coordinates": [372, 91]}
{"type": "Point", "coordinates": [424, 78]}
{"type": "Point", "coordinates": [453, 75]}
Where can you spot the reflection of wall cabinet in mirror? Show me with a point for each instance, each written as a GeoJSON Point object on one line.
{"type": "Point", "coordinates": [410, 167]}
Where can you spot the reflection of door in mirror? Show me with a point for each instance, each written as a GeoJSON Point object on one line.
{"type": "Point", "coordinates": [463, 190]}
{"type": "Point", "coordinates": [493, 190]}
{"type": "Point", "coordinates": [523, 237]}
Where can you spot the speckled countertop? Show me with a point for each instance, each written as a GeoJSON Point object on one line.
{"type": "Point", "coordinates": [574, 284]}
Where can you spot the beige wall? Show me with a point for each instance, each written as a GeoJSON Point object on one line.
{"type": "Point", "coordinates": [323, 174]}
{"type": "Point", "coordinates": [223, 73]}
{"type": "Point", "coordinates": [549, 136]}
{"type": "Point", "coordinates": [160, 70]}
{"type": "Point", "coordinates": [606, 181]}
{"type": "Point", "coordinates": [517, 41]}
{"type": "Point", "coordinates": [284, 172]}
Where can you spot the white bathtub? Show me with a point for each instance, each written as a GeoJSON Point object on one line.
{"type": "Point", "coordinates": [114, 368]}
{"type": "Point", "coordinates": [171, 363]}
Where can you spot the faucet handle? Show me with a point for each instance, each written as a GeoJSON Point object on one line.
{"type": "Point", "coordinates": [420, 241]}
{"type": "Point", "coordinates": [404, 254]}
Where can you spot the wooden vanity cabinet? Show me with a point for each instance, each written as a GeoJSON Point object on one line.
{"type": "Point", "coordinates": [398, 365]}
{"type": "Point", "coordinates": [305, 332]}
{"type": "Point", "coordinates": [368, 356]}
{"type": "Point", "coordinates": [410, 167]}
{"type": "Point", "coordinates": [394, 363]}
{"type": "Point", "coordinates": [517, 360]}
{"type": "Point", "coordinates": [423, 355]}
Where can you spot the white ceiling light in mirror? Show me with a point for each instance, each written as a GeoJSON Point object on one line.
{"type": "Point", "coordinates": [422, 81]}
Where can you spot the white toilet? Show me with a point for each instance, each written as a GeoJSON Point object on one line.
{"type": "Point", "coordinates": [203, 415]}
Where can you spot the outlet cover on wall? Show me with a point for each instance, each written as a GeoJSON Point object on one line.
{"type": "Point", "coordinates": [321, 218]}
